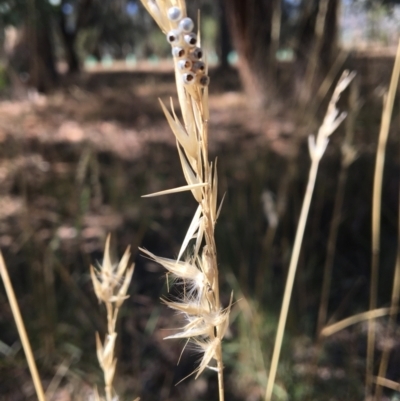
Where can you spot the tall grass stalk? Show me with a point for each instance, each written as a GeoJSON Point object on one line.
{"type": "Point", "coordinates": [197, 272]}
{"type": "Point", "coordinates": [348, 156]}
{"type": "Point", "coordinates": [317, 147]}
{"type": "Point", "coordinates": [381, 381]}
{"type": "Point", "coordinates": [352, 320]}
{"type": "Point", "coordinates": [110, 284]}
{"type": "Point", "coordinates": [376, 214]}
{"type": "Point", "coordinates": [394, 309]}
{"type": "Point", "coordinates": [21, 330]}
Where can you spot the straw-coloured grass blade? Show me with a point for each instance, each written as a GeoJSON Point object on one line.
{"type": "Point", "coordinates": [176, 190]}
{"type": "Point", "coordinates": [187, 142]}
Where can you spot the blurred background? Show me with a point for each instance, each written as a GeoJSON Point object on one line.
{"type": "Point", "coordinates": [82, 137]}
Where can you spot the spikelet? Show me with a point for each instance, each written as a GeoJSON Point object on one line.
{"type": "Point", "coordinates": [110, 284]}
{"type": "Point", "coordinates": [206, 320]}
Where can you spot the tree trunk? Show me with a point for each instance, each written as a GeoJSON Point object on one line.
{"type": "Point", "coordinates": [68, 34]}
{"type": "Point", "coordinates": [225, 45]}
{"type": "Point", "coordinates": [250, 24]}
{"type": "Point", "coordinates": [255, 27]}
{"type": "Point", "coordinates": [47, 74]}
{"type": "Point", "coordinates": [70, 26]}
{"type": "Point", "coordinates": [42, 71]}
{"type": "Point", "coordinates": [317, 45]}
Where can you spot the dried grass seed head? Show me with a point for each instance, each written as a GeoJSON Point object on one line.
{"type": "Point", "coordinates": [333, 118]}
{"type": "Point", "coordinates": [111, 281]}
{"type": "Point", "coordinates": [209, 348]}
{"type": "Point", "coordinates": [181, 270]}
{"type": "Point", "coordinates": [206, 321]}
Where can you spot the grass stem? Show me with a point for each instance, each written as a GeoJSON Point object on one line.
{"type": "Point", "coordinates": [394, 309]}
{"type": "Point", "coordinates": [291, 276]}
{"type": "Point", "coordinates": [348, 156]}
{"type": "Point", "coordinates": [21, 330]}
{"type": "Point", "coordinates": [376, 215]}
{"type": "Point", "coordinates": [317, 147]}
{"type": "Point", "coordinates": [220, 367]}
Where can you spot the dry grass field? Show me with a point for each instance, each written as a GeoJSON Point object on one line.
{"type": "Point", "coordinates": [74, 165]}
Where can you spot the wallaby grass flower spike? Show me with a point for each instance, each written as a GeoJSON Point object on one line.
{"type": "Point", "coordinates": [110, 282]}
{"type": "Point", "coordinates": [317, 146]}
{"type": "Point", "coordinates": [206, 320]}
